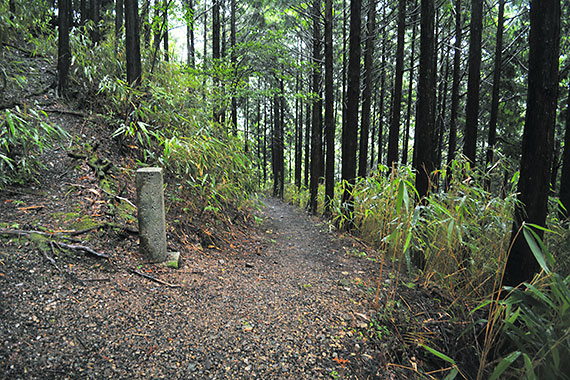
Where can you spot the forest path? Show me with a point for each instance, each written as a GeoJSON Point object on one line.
{"type": "Point", "coordinates": [296, 305]}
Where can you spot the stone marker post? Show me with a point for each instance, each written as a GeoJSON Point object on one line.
{"type": "Point", "coordinates": [152, 224]}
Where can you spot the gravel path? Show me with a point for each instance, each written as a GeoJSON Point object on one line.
{"type": "Point", "coordinates": [290, 307]}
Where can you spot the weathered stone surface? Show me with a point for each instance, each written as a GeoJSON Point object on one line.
{"type": "Point", "coordinates": [150, 205]}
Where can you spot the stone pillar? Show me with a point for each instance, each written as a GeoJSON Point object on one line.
{"type": "Point", "coordinates": [150, 205]}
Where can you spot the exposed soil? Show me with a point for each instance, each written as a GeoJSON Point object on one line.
{"type": "Point", "coordinates": [285, 297]}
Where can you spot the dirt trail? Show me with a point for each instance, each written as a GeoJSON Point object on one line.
{"type": "Point", "coordinates": [291, 307]}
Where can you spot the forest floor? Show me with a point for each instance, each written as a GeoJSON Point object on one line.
{"type": "Point", "coordinates": [271, 293]}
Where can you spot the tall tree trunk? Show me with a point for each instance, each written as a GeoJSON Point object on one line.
{"type": "Point", "coordinates": [63, 49]}
{"type": "Point", "coordinates": [265, 142]}
{"type": "Point", "coordinates": [84, 12]}
{"type": "Point", "coordinates": [94, 15]}
{"type": "Point", "coordinates": [452, 143]}
{"type": "Point", "coordinates": [118, 19]}
{"type": "Point", "coordinates": [410, 91]}
{"type": "Point", "coordinates": [145, 25]}
{"type": "Point", "coordinates": [216, 55]}
{"type": "Point", "coordinates": [134, 67]}
{"type": "Point", "coordinates": [329, 107]}
{"type": "Point", "coordinates": [538, 136]}
{"type": "Point", "coordinates": [440, 121]}
{"type": "Point", "coordinates": [472, 107]}
{"type": "Point", "coordinates": [425, 118]}
{"type": "Point", "coordinates": [233, 59]}
{"type": "Point", "coordinates": [316, 132]}
{"type": "Point", "coordinates": [393, 137]}
{"type": "Point", "coordinates": [307, 145]}
{"type": "Point", "coordinates": [298, 134]}
{"type": "Point", "coordinates": [350, 130]}
{"type": "Point", "coordinates": [367, 90]}
{"type": "Point", "coordinates": [190, 47]}
{"type": "Point", "coordinates": [496, 86]}
{"type": "Point", "coordinates": [380, 142]}
{"type": "Point", "coordinates": [565, 175]}
{"type": "Point", "coordinates": [165, 34]}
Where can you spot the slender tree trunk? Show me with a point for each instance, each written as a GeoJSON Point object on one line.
{"type": "Point", "coordinates": [307, 145]}
{"type": "Point", "coordinates": [118, 19]}
{"type": "Point", "coordinates": [350, 130]}
{"type": "Point", "coordinates": [233, 59]}
{"type": "Point", "coordinates": [95, 11]}
{"type": "Point", "coordinates": [425, 118]}
{"type": "Point", "coordinates": [216, 55]}
{"type": "Point", "coordinates": [165, 34]}
{"type": "Point", "coordinates": [84, 12]}
{"type": "Point", "coordinates": [440, 122]}
{"type": "Point", "coordinates": [410, 91]}
{"type": "Point", "coordinates": [265, 142]}
{"type": "Point", "coordinates": [145, 25]}
{"type": "Point", "coordinates": [472, 108]}
{"type": "Point", "coordinates": [329, 107]}
{"type": "Point", "coordinates": [538, 136]}
{"type": "Point", "coordinates": [452, 143]}
{"type": "Point", "coordinates": [565, 175]}
{"type": "Point", "coordinates": [205, 37]}
{"type": "Point", "coordinates": [382, 91]}
{"type": "Point", "coordinates": [298, 134]}
{"type": "Point", "coordinates": [63, 49]}
{"type": "Point", "coordinates": [496, 86]}
{"type": "Point", "coordinates": [393, 137]}
{"type": "Point", "coordinates": [190, 47]}
{"type": "Point", "coordinates": [134, 67]}
{"type": "Point", "coordinates": [367, 90]}
{"type": "Point", "coordinates": [316, 133]}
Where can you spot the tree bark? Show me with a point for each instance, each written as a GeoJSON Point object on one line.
{"type": "Point", "coordinates": [367, 90]}
{"type": "Point", "coordinates": [190, 47]}
{"type": "Point", "coordinates": [410, 92]}
{"type": "Point", "coordinates": [492, 139]}
{"type": "Point", "coordinates": [216, 54]}
{"type": "Point", "coordinates": [350, 130]}
{"type": "Point", "coordinates": [118, 19]}
{"type": "Point", "coordinates": [393, 137]}
{"type": "Point", "coordinates": [165, 33]}
{"type": "Point", "coordinates": [425, 118]}
{"type": "Point", "coordinates": [452, 143]}
{"type": "Point", "coordinates": [63, 49]}
{"type": "Point", "coordinates": [144, 24]}
{"type": "Point", "coordinates": [134, 67]}
{"type": "Point", "coordinates": [564, 213]}
{"type": "Point", "coordinates": [538, 136]}
{"type": "Point", "coordinates": [316, 132]}
{"type": "Point", "coordinates": [472, 107]}
{"type": "Point", "coordinates": [233, 58]}
{"type": "Point", "coordinates": [298, 135]}
{"type": "Point", "coordinates": [380, 142]}
{"type": "Point", "coordinates": [329, 107]}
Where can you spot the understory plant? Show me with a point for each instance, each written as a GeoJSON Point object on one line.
{"type": "Point", "coordinates": [24, 135]}
{"type": "Point", "coordinates": [533, 337]}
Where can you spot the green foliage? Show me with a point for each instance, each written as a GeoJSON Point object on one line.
{"type": "Point", "coordinates": [459, 237]}
{"type": "Point", "coordinates": [536, 323]}
{"type": "Point", "coordinates": [24, 135]}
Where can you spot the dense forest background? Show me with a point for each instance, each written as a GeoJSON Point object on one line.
{"type": "Point", "coordinates": [437, 131]}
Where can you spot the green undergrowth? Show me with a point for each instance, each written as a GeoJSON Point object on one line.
{"type": "Point", "coordinates": [459, 238]}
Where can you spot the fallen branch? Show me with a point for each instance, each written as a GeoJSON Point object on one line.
{"type": "Point", "coordinates": [81, 248]}
{"type": "Point", "coordinates": [51, 260]}
{"type": "Point", "coordinates": [155, 279]}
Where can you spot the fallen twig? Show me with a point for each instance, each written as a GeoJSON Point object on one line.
{"type": "Point", "coordinates": [81, 248]}
{"type": "Point", "coordinates": [106, 192]}
{"type": "Point", "coordinates": [51, 260]}
{"type": "Point", "coordinates": [155, 279]}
